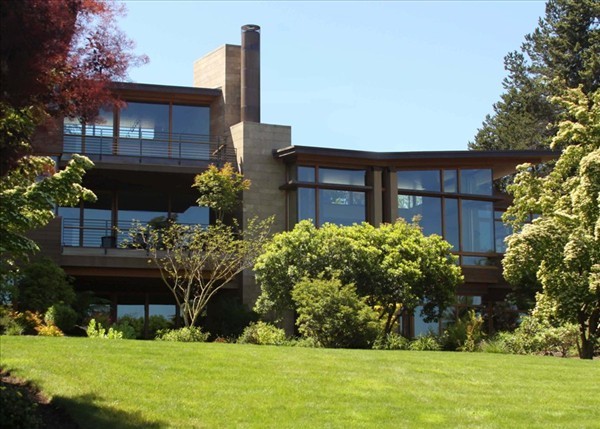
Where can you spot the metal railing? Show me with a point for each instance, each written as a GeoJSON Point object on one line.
{"type": "Point", "coordinates": [99, 232]}
{"type": "Point", "coordinates": [149, 145]}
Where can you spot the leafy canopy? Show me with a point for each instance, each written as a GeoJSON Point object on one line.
{"type": "Point", "coordinates": [561, 248]}
{"type": "Point", "coordinates": [393, 266]}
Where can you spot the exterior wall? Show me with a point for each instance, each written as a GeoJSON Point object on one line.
{"type": "Point", "coordinates": [221, 69]}
{"type": "Point", "coordinates": [254, 144]}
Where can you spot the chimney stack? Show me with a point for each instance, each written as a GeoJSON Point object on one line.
{"type": "Point", "coordinates": [250, 84]}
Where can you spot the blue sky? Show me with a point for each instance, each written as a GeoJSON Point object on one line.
{"type": "Point", "coordinates": [380, 76]}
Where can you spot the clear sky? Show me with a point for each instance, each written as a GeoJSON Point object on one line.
{"type": "Point", "coordinates": [379, 76]}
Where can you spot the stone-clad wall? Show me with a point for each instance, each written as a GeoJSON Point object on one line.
{"type": "Point", "coordinates": [254, 144]}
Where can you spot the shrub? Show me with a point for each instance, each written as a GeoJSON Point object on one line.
{"type": "Point", "coordinates": [49, 331]}
{"type": "Point", "coordinates": [27, 322]}
{"type": "Point", "coordinates": [494, 345]}
{"type": "Point", "coordinates": [96, 330]}
{"type": "Point", "coordinates": [158, 323]}
{"type": "Point", "coordinates": [465, 335]}
{"type": "Point", "coordinates": [334, 314]}
{"type": "Point", "coordinates": [425, 343]}
{"type": "Point", "coordinates": [391, 341]}
{"type": "Point", "coordinates": [539, 336]}
{"type": "Point", "coordinates": [62, 316]}
{"type": "Point", "coordinates": [42, 284]}
{"type": "Point", "coordinates": [17, 410]}
{"type": "Point", "coordinates": [189, 334]}
{"type": "Point", "coordinates": [7, 324]}
{"type": "Point", "coordinates": [127, 331]}
{"type": "Point", "coordinates": [263, 334]}
{"type": "Point", "coordinates": [227, 317]}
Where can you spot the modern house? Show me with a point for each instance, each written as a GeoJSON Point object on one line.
{"type": "Point", "coordinates": [148, 152]}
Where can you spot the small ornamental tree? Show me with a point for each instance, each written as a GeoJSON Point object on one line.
{"type": "Point", "coordinates": [220, 188]}
{"type": "Point", "coordinates": [394, 267]}
{"type": "Point", "coordinates": [195, 262]}
{"type": "Point", "coordinates": [561, 248]}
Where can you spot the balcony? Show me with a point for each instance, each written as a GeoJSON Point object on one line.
{"type": "Point", "coordinates": [148, 148]}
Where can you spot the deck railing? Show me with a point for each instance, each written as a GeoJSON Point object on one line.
{"type": "Point", "coordinates": [97, 232]}
{"type": "Point", "coordinates": [178, 147]}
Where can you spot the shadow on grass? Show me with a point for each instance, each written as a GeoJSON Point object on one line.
{"type": "Point", "coordinates": [87, 413]}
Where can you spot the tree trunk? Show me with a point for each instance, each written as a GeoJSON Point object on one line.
{"type": "Point", "coordinates": [587, 349]}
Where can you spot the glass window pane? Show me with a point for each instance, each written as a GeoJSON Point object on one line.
{"type": "Point", "coordinates": [422, 180]}
{"type": "Point", "coordinates": [191, 120]}
{"type": "Point", "coordinates": [479, 261]}
{"type": "Point", "coordinates": [142, 206]}
{"type": "Point", "coordinates": [342, 177]}
{"type": "Point", "coordinates": [501, 232]}
{"type": "Point", "coordinates": [341, 207]}
{"type": "Point", "coordinates": [72, 132]}
{"type": "Point", "coordinates": [97, 220]}
{"type": "Point", "coordinates": [191, 129]}
{"type": "Point", "coordinates": [451, 229]}
{"type": "Point", "coordinates": [165, 310]}
{"type": "Point", "coordinates": [306, 204]}
{"type": "Point", "coordinates": [477, 229]}
{"type": "Point", "coordinates": [132, 310]}
{"type": "Point", "coordinates": [306, 174]}
{"type": "Point", "coordinates": [422, 327]}
{"type": "Point", "coordinates": [70, 225]}
{"type": "Point", "coordinates": [428, 208]}
{"type": "Point", "coordinates": [185, 209]}
{"type": "Point", "coordinates": [477, 182]}
{"type": "Point", "coordinates": [99, 135]}
{"type": "Point", "coordinates": [144, 130]}
{"type": "Point", "coordinates": [450, 182]}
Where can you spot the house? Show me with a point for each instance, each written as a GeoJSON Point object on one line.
{"type": "Point", "coordinates": [147, 153]}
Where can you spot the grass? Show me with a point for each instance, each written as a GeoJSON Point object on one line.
{"type": "Point", "coordinates": [131, 384]}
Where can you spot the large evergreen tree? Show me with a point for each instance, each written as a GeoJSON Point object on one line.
{"type": "Point", "coordinates": [564, 50]}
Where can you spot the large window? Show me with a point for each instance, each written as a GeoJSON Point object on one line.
{"type": "Point", "coordinates": [145, 130]}
{"type": "Point", "coordinates": [107, 221]}
{"type": "Point", "coordinates": [457, 205]}
{"type": "Point", "coordinates": [426, 210]}
{"type": "Point", "coordinates": [329, 195]}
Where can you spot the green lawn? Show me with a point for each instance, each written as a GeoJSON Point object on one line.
{"type": "Point", "coordinates": [126, 384]}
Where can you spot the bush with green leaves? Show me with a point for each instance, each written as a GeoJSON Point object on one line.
{"type": "Point", "coordinates": [427, 342]}
{"type": "Point", "coordinates": [391, 341]}
{"type": "Point", "coordinates": [333, 314]}
{"type": "Point", "coordinates": [227, 316]}
{"type": "Point", "coordinates": [96, 330]}
{"type": "Point", "coordinates": [535, 335]}
{"type": "Point", "coordinates": [62, 316]}
{"type": "Point", "coordinates": [42, 284]}
{"type": "Point", "coordinates": [17, 409]}
{"type": "Point", "coordinates": [262, 334]}
{"type": "Point", "coordinates": [187, 334]}
{"type": "Point", "coordinates": [465, 335]}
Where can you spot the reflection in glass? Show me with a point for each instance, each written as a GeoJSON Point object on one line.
{"type": "Point", "coordinates": [144, 130]}
{"type": "Point", "coordinates": [342, 177]}
{"type": "Point", "coordinates": [501, 231]}
{"type": "Point", "coordinates": [421, 180]}
{"type": "Point", "coordinates": [477, 182]}
{"type": "Point", "coordinates": [97, 220]}
{"type": "Point", "coordinates": [341, 207]}
{"type": "Point", "coordinates": [306, 204]}
{"type": "Point", "coordinates": [480, 261]}
{"type": "Point", "coordinates": [422, 327]}
{"type": "Point", "coordinates": [428, 208]}
{"type": "Point", "coordinates": [450, 182]}
{"type": "Point", "coordinates": [98, 135]}
{"type": "Point", "coordinates": [132, 310]}
{"type": "Point", "coordinates": [70, 225]}
{"type": "Point", "coordinates": [477, 229]}
{"type": "Point", "coordinates": [165, 310]}
{"type": "Point", "coordinates": [306, 174]}
{"type": "Point", "coordinates": [451, 229]}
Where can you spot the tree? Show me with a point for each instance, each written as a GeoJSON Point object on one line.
{"type": "Point", "coordinates": [394, 267]}
{"type": "Point", "coordinates": [333, 314]}
{"type": "Point", "coordinates": [561, 248]}
{"type": "Point", "coordinates": [28, 196]}
{"type": "Point", "coordinates": [565, 47]}
{"type": "Point", "coordinates": [195, 262]}
{"type": "Point", "coordinates": [220, 188]}
{"type": "Point", "coordinates": [56, 59]}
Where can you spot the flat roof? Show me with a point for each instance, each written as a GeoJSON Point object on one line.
{"type": "Point", "coordinates": [153, 92]}
{"type": "Point", "coordinates": [503, 161]}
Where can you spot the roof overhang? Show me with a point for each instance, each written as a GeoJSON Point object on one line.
{"type": "Point", "coordinates": [164, 93]}
{"type": "Point", "coordinates": [502, 162]}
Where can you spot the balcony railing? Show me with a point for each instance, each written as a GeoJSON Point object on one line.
{"type": "Point", "coordinates": [96, 232]}
{"type": "Point", "coordinates": [179, 147]}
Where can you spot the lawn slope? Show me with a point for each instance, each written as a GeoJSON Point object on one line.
{"type": "Point", "coordinates": [130, 384]}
